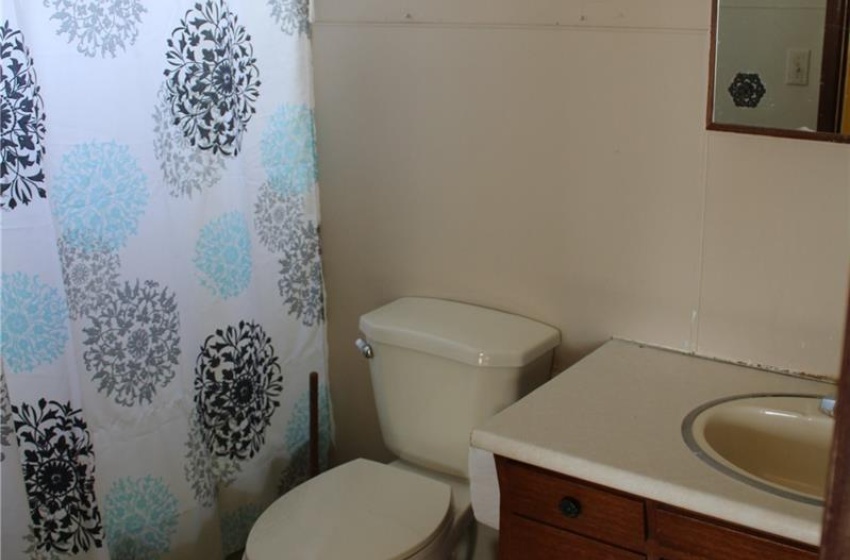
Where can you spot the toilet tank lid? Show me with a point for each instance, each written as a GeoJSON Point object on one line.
{"type": "Point", "coordinates": [459, 331]}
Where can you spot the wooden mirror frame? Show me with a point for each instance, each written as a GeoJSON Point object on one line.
{"type": "Point", "coordinates": [835, 540]}
{"type": "Point", "coordinates": [834, 64]}
{"type": "Point", "coordinates": [837, 25]}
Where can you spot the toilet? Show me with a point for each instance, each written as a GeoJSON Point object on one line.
{"type": "Point", "coordinates": [438, 369]}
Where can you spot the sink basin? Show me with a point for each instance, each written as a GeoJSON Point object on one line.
{"type": "Point", "coordinates": [778, 443]}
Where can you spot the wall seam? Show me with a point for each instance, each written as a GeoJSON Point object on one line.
{"type": "Point", "coordinates": [697, 313]}
{"type": "Point", "coordinates": [509, 26]}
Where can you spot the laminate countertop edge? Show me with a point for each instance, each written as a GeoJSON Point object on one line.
{"type": "Point", "coordinates": [615, 419]}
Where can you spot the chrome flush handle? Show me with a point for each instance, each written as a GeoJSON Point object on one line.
{"type": "Point", "coordinates": [364, 348]}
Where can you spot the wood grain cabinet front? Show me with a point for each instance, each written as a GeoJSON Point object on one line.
{"type": "Point", "coordinates": [546, 515]}
{"type": "Point", "coordinates": [531, 540]}
{"type": "Point", "coordinates": [686, 536]}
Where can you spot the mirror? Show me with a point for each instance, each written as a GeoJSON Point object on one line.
{"type": "Point", "coordinates": [780, 67]}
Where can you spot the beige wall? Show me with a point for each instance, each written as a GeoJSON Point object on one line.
{"type": "Point", "coordinates": [549, 158]}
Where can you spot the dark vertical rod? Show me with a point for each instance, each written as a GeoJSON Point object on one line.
{"type": "Point", "coordinates": [835, 541]}
{"type": "Point", "coordinates": [314, 424]}
{"type": "Point", "coordinates": [832, 78]}
{"type": "Point", "coordinates": [712, 65]}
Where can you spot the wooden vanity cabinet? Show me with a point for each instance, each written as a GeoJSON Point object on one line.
{"type": "Point", "coordinates": [546, 515]}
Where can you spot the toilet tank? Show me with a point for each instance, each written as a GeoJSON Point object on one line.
{"type": "Point", "coordinates": [439, 368]}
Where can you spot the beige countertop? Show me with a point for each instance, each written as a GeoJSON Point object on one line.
{"type": "Point", "coordinates": [615, 418]}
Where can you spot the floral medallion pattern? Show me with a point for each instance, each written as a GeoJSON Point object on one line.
{"type": "Point", "coordinates": [293, 16]}
{"type": "Point", "coordinates": [199, 467]}
{"type": "Point", "coordinates": [58, 466]}
{"type": "Point", "coordinates": [236, 524]}
{"type": "Point", "coordinates": [300, 282]}
{"type": "Point", "coordinates": [133, 342]}
{"type": "Point", "coordinates": [223, 255]}
{"type": "Point", "coordinates": [98, 26]}
{"type": "Point", "coordinates": [89, 273]}
{"type": "Point", "coordinates": [276, 214]}
{"type": "Point", "coordinates": [33, 552]}
{"type": "Point", "coordinates": [212, 78]}
{"type": "Point", "coordinates": [289, 149]}
{"type": "Point", "coordinates": [297, 439]}
{"type": "Point", "coordinates": [162, 225]}
{"type": "Point", "coordinates": [185, 168]}
{"type": "Point", "coordinates": [7, 427]}
{"type": "Point", "coordinates": [140, 516]}
{"type": "Point", "coordinates": [35, 322]}
{"type": "Point", "coordinates": [99, 195]}
{"type": "Point", "coordinates": [238, 383]}
{"type": "Point", "coordinates": [22, 127]}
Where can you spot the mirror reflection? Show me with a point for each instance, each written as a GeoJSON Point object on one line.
{"type": "Point", "coordinates": [780, 65]}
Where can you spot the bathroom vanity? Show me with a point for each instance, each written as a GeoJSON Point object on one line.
{"type": "Point", "coordinates": [546, 515]}
{"type": "Point", "coordinates": [595, 465]}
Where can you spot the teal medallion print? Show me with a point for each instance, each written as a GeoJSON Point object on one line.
{"type": "Point", "coordinates": [99, 195]}
{"type": "Point", "coordinates": [140, 517]}
{"type": "Point", "coordinates": [133, 343]}
{"type": "Point", "coordinates": [35, 322]}
{"type": "Point", "coordinates": [98, 27]}
{"type": "Point", "coordinates": [22, 128]}
{"type": "Point", "coordinates": [289, 149]}
{"type": "Point", "coordinates": [223, 255]}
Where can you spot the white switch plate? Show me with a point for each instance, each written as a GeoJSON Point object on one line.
{"type": "Point", "coordinates": [797, 67]}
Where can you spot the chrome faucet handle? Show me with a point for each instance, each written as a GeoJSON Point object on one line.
{"type": "Point", "coordinates": [827, 406]}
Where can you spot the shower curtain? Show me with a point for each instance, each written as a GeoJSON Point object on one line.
{"type": "Point", "coordinates": [161, 299]}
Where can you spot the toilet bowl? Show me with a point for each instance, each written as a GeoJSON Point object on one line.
{"type": "Point", "coordinates": [438, 369]}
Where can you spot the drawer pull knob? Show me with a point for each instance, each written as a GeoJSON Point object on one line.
{"type": "Point", "coordinates": [570, 507]}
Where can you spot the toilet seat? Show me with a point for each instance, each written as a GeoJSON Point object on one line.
{"type": "Point", "coordinates": [359, 510]}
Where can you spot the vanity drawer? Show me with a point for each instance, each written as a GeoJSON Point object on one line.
{"type": "Point", "coordinates": [702, 538]}
{"type": "Point", "coordinates": [573, 505]}
{"type": "Point", "coordinates": [528, 540]}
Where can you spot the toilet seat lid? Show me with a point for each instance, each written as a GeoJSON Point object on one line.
{"type": "Point", "coordinates": [359, 510]}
